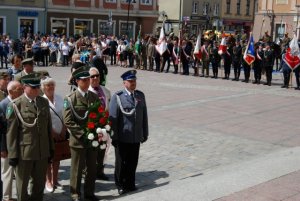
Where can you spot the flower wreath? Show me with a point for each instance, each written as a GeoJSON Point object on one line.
{"type": "Point", "coordinates": [98, 126]}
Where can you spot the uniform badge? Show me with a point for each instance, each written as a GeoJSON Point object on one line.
{"type": "Point", "coordinates": [9, 111]}
{"type": "Point", "coordinates": [66, 104]}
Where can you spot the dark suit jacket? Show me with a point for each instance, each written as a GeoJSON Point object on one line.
{"type": "Point", "coordinates": [102, 68]}
{"type": "Point", "coordinates": [3, 106]}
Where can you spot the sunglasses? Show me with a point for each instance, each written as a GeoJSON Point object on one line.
{"type": "Point", "coordinates": [94, 76]}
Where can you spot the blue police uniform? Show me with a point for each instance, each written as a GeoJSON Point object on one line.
{"type": "Point", "coordinates": [128, 113]}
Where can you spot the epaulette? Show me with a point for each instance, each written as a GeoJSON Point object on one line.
{"type": "Point", "coordinates": [70, 94]}
{"type": "Point", "coordinates": [16, 100]}
{"type": "Point", "coordinates": [119, 92]}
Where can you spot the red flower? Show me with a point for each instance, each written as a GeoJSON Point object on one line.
{"type": "Point", "coordinates": [92, 115]}
{"type": "Point", "coordinates": [91, 125]}
{"type": "Point", "coordinates": [101, 109]}
{"type": "Point", "coordinates": [106, 114]}
{"type": "Point", "coordinates": [102, 121]}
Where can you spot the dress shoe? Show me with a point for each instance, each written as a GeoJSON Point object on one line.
{"type": "Point", "coordinates": [58, 186]}
{"type": "Point", "coordinates": [75, 199]}
{"type": "Point", "coordinates": [122, 191]}
{"type": "Point", "coordinates": [49, 188]}
{"type": "Point", "coordinates": [201, 76]}
{"type": "Point", "coordinates": [284, 86]}
{"type": "Point", "coordinates": [91, 198]}
{"type": "Point", "coordinates": [297, 88]}
{"type": "Point", "coordinates": [102, 177]}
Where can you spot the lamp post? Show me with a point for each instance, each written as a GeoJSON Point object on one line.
{"type": "Point", "coordinates": [129, 2]}
{"type": "Point", "coordinates": [271, 15]}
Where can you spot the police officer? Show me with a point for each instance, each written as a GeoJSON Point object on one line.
{"type": "Point", "coordinates": [215, 59]}
{"type": "Point", "coordinates": [258, 62]}
{"type": "Point", "coordinates": [128, 114]}
{"type": "Point", "coordinates": [29, 141]}
{"type": "Point", "coordinates": [27, 69]}
{"type": "Point", "coordinates": [75, 111]}
{"type": "Point", "coordinates": [236, 60]}
{"type": "Point", "coordinates": [4, 80]}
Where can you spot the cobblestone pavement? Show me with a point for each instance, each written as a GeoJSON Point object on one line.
{"type": "Point", "coordinates": [198, 126]}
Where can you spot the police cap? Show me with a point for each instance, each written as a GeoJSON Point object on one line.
{"type": "Point", "coordinates": [129, 75]}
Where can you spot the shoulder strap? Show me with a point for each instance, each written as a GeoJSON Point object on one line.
{"type": "Point", "coordinates": [56, 114]}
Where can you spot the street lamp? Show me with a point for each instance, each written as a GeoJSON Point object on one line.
{"type": "Point", "coordinates": [271, 15]}
{"type": "Point", "coordinates": [129, 2]}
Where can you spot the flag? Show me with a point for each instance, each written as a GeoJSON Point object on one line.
{"type": "Point", "coordinates": [197, 51]}
{"type": "Point", "coordinates": [222, 47]}
{"type": "Point", "coordinates": [161, 46]}
{"type": "Point", "coordinates": [138, 44]}
{"type": "Point", "coordinates": [292, 55]}
{"type": "Point", "coordinates": [249, 54]}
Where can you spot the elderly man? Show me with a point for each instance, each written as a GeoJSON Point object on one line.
{"type": "Point", "coordinates": [4, 80]}
{"type": "Point", "coordinates": [29, 141]}
{"type": "Point", "coordinates": [128, 114]}
{"type": "Point", "coordinates": [15, 89]}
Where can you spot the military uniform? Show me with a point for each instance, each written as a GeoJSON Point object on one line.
{"type": "Point", "coordinates": [128, 114]}
{"type": "Point", "coordinates": [75, 118]}
{"type": "Point", "coordinates": [236, 61]}
{"type": "Point", "coordinates": [215, 59]}
{"type": "Point", "coordinates": [205, 59]}
{"type": "Point", "coordinates": [246, 66]}
{"type": "Point", "coordinates": [29, 141]}
{"type": "Point", "coordinates": [257, 66]}
{"type": "Point", "coordinates": [22, 73]}
{"type": "Point", "coordinates": [268, 64]}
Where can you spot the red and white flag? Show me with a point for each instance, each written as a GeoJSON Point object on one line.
{"type": "Point", "coordinates": [292, 55]}
{"type": "Point", "coordinates": [197, 50]}
{"type": "Point", "coordinates": [223, 47]}
{"type": "Point", "coordinates": [161, 46]}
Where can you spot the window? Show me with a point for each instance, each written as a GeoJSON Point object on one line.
{"type": "Point", "coordinates": [205, 8]}
{"type": "Point", "coordinates": [60, 26]}
{"type": "Point", "coordinates": [238, 7]}
{"type": "Point", "coordinates": [146, 2]}
{"type": "Point", "coordinates": [228, 6]}
{"type": "Point", "coordinates": [105, 27]}
{"type": "Point", "coordinates": [2, 25]}
{"type": "Point", "coordinates": [27, 25]}
{"type": "Point", "coordinates": [195, 7]}
{"type": "Point", "coordinates": [280, 30]}
{"type": "Point", "coordinates": [248, 7]}
{"type": "Point", "coordinates": [110, 1]}
{"type": "Point", "coordinates": [131, 28]}
{"type": "Point", "coordinates": [281, 1]}
{"type": "Point", "coordinates": [216, 9]}
{"type": "Point", "coordinates": [83, 27]}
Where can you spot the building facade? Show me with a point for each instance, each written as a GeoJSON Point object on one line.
{"type": "Point", "coordinates": [277, 17]}
{"type": "Point", "coordinates": [193, 15]}
{"type": "Point", "coordinates": [110, 17]}
{"type": "Point", "coordinates": [20, 17]}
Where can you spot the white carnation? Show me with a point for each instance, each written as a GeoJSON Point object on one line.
{"type": "Point", "coordinates": [91, 136]}
{"type": "Point", "coordinates": [95, 143]}
{"type": "Point", "coordinates": [99, 130]}
{"type": "Point", "coordinates": [103, 146]}
{"type": "Point", "coordinates": [104, 132]}
{"type": "Point", "coordinates": [107, 127]}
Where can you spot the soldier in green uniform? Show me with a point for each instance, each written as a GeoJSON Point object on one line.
{"type": "Point", "coordinates": [29, 141]}
{"type": "Point", "coordinates": [27, 69]}
{"type": "Point", "coordinates": [75, 117]}
{"type": "Point", "coordinates": [205, 58]}
{"type": "Point", "coordinates": [4, 80]}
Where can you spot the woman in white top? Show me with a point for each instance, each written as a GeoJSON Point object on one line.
{"type": "Point", "coordinates": [58, 129]}
{"type": "Point", "coordinates": [65, 49]}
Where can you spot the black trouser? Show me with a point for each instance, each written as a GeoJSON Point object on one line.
{"type": "Point", "coordinates": [215, 67]}
{"type": "Point", "coordinates": [65, 60]}
{"type": "Point", "coordinates": [185, 67]}
{"type": "Point", "coordinates": [269, 70]}
{"type": "Point", "coordinates": [286, 76]}
{"type": "Point", "coordinates": [44, 56]}
{"type": "Point", "coordinates": [3, 60]}
{"type": "Point", "coordinates": [113, 55]}
{"type": "Point", "coordinates": [100, 160]}
{"type": "Point", "coordinates": [130, 59]}
{"type": "Point", "coordinates": [227, 66]}
{"type": "Point", "coordinates": [237, 69]}
{"type": "Point", "coordinates": [157, 63]}
{"type": "Point", "coordinates": [247, 70]}
{"type": "Point", "coordinates": [127, 155]}
{"type": "Point", "coordinates": [257, 71]}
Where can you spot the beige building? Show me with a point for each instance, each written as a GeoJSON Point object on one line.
{"type": "Point", "coordinates": [277, 17]}
{"type": "Point", "coordinates": [229, 15]}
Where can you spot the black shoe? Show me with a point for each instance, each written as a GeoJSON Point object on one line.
{"type": "Point", "coordinates": [212, 77]}
{"type": "Point", "coordinates": [297, 88]}
{"type": "Point", "coordinates": [284, 86]}
{"type": "Point", "coordinates": [234, 79]}
{"type": "Point", "coordinates": [174, 72]}
{"type": "Point", "coordinates": [91, 198]}
{"type": "Point", "coordinates": [122, 191]}
{"type": "Point", "coordinates": [224, 78]}
{"type": "Point", "coordinates": [201, 76]}
{"type": "Point", "coordinates": [102, 177]}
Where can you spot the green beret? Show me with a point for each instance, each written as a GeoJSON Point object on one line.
{"type": "Point", "coordinates": [33, 79]}
{"type": "Point", "coordinates": [27, 61]}
{"type": "Point", "coordinates": [81, 72]}
{"type": "Point", "coordinates": [3, 75]}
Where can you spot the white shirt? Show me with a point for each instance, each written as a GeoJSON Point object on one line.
{"type": "Point", "coordinates": [57, 106]}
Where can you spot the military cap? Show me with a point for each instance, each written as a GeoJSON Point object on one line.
{"type": "Point", "coordinates": [129, 75]}
{"type": "Point", "coordinates": [43, 73]}
{"type": "Point", "coordinates": [33, 79]}
{"type": "Point", "coordinates": [3, 75]}
{"type": "Point", "coordinates": [81, 72]}
{"type": "Point", "coordinates": [27, 61]}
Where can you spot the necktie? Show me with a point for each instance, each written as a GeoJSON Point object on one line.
{"type": "Point", "coordinates": [132, 97]}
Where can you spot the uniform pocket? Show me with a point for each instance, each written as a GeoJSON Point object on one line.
{"type": "Point", "coordinates": [27, 140]}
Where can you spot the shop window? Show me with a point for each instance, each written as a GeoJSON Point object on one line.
{"type": "Point", "coordinates": [82, 27]}
{"type": "Point", "coordinates": [60, 26]}
{"type": "Point", "coordinates": [27, 27]}
{"type": "Point", "coordinates": [104, 27]}
{"type": "Point", "coordinates": [131, 29]}
{"type": "Point", "coordinates": [146, 2]}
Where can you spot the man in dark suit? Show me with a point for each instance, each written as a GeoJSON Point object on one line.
{"type": "Point", "coordinates": [98, 63]}
{"type": "Point", "coordinates": [15, 89]}
{"type": "Point", "coordinates": [75, 112]}
{"type": "Point", "coordinates": [128, 114]}
{"type": "Point", "coordinates": [29, 141]}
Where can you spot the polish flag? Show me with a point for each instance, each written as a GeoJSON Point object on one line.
{"type": "Point", "coordinates": [161, 46]}
{"type": "Point", "coordinates": [249, 55]}
{"type": "Point", "coordinates": [197, 51]}
{"type": "Point", "coordinates": [292, 55]}
{"type": "Point", "coordinates": [222, 47]}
